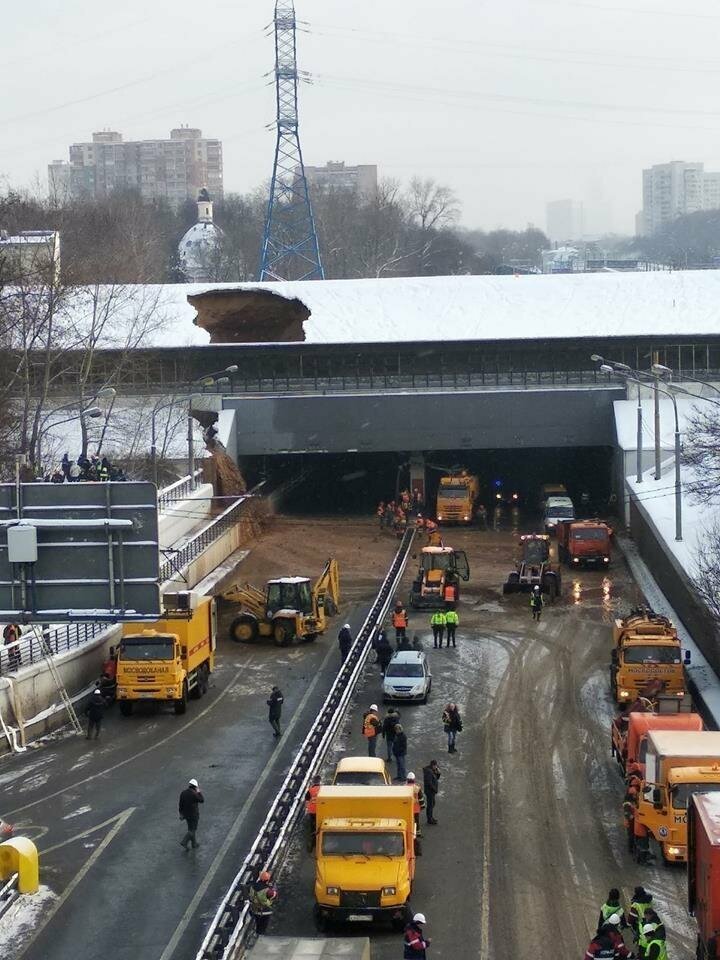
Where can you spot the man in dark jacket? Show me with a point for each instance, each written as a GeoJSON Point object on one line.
{"type": "Point", "coordinates": [431, 782]}
{"type": "Point", "coordinates": [345, 641]}
{"type": "Point", "coordinates": [275, 710]}
{"type": "Point", "coordinates": [390, 720]}
{"type": "Point", "coordinates": [415, 943]}
{"type": "Point", "coordinates": [399, 749]}
{"type": "Point", "coordinates": [95, 711]}
{"type": "Point", "coordinates": [384, 652]}
{"type": "Point", "coordinates": [190, 798]}
{"type": "Point", "coordinates": [607, 943]}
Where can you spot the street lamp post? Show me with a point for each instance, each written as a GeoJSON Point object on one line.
{"type": "Point", "coordinates": [614, 366]}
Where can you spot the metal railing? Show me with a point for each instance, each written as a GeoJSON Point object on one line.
{"type": "Point", "coordinates": [60, 638]}
{"type": "Point", "coordinates": [520, 379]}
{"type": "Point", "coordinates": [232, 928]}
{"type": "Point", "coordinates": [182, 558]}
{"type": "Point", "coordinates": [177, 492]}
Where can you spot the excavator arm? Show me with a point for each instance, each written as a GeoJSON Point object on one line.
{"type": "Point", "coordinates": [248, 597]}
{"type": "Point", "coordinates": [326, 590]}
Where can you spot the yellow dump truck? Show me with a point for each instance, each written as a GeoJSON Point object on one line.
{"type": "Point", "coordinates": [678, 764]}
{"type": "Point", "coordinates": [172, 661]}
{"type": "Point", "coordinates": [646, 656]}
{"type": "Point", "coordinates": [364, 854]}
{"type": "Point", "coordinates": [457, 498]}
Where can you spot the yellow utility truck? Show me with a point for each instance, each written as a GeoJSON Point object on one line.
{"type": "Point", "coordinates": [677, 764]}
{"type": "Point", "coordinates": [172, 661]}
{"type": "Point", "coordinates": [646, 657]}
{"type": "Point", "coordinates": [290, 608]}
{"type": "Point", "coordinates": [457, 498]}
{"type": "Point", "coordinates": [364, 854]}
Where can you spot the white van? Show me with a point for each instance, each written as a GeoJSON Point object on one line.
{"type": "Point", "coordinates": [556, 510]}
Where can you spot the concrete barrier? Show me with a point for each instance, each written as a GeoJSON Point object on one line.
{"type": "Point", "coordinates": [180, 518]}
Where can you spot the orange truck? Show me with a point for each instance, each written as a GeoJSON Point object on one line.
{"type": "Point", "coordinates": [677, 765]}
{"type": "Point", "coordinates": [646, 653]}
{"type": "Point", "coordinates": [630, 733]}
{"type": "Point", "coordinates": [704, 871]}
{"type": "Point", "coordinates": [584, 542]}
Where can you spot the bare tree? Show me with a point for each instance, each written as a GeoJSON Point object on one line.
{"type": "Point", "coordinates": [701, 452]}
{"type": "Point", "coordinates": [706, 573]}
{"type": "Point", "coordinates": [431, 205]}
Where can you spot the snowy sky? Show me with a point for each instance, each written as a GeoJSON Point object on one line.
{"type": "Point", "coordinates": [512, 104]}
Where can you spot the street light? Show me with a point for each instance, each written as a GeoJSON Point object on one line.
{"type": "Point", "coordinates": [210, 379]}
{"type": "Point", "coordinates": [614, 366]}
{"type": "Point", "coordinates": [663, 371]}
{"type": "Point", "coordinates": [87, 412]}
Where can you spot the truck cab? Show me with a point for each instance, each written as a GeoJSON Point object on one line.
{"type": "Point", "coordinates": [678, 764]}
{"type": "Point", "coordinates": [630, 733]}
{"type": "Point", "coordinates": [364, 854]}
{"type": "Point", "coordinates": [457, 498]}
{"type": "Point", "coordinates": [556, 510]}
{"type": "Point", "coordinates": [646, 653]}
{"type": "Point", "coordinates": [583, 542]}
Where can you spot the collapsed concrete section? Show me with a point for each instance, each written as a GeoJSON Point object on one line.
{"type": "Point", "coordinates": [249, 316]}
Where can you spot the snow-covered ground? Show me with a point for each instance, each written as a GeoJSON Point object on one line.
{"type": "Point", "coordinates": [458, 308]}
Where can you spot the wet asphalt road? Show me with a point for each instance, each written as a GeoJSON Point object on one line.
{"type": "Point", "coordinates": [529, 837]}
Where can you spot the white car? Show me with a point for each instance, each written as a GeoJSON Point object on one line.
{"type": "Point", "coordinates": [407, 677]}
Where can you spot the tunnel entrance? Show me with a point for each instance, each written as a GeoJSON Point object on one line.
{"type": "Point", "coordinates": [354, 483]}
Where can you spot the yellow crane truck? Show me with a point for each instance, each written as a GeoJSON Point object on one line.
{"type": "Point", "coordinates": [646, 653]}
{"type": "Point", "coordinates": [677, 764]}
{"type": "Point", "coordinates": [172, 661]}
{"type": "Point", "coordinates": [364, 854]}
{"type": "Point", "coordinates": [457, 498]}
{"type": "Point", "coordinates": [290, 608]}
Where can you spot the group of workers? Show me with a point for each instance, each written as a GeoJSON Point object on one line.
{"type": "Point", "coordinates": [648, 930]}
{"type": "Point", "coordinates": [84, 470]}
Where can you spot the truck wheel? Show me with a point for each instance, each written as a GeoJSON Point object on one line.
{"type": "Point", "coordinates": [322, 921]}
{"type": "Point", "coordinates": [244, 629]}
{"type": "Point", "coordinates": [180, 706]}
{"type": "Point", "coordinates": [283, 632]}
{"type": "Point", "coordinates": [309, 638]}
{"type": "Point", "coordinates": [126, 708]}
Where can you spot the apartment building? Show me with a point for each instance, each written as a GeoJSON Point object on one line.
{"type": "Point", "coordinates": [674, 189]}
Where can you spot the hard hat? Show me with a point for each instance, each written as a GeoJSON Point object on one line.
{"type": "Point", "coordinates": [264, 876]}
{"type": "Point", "coordinates": [419, 918]}
{"type": "Point", "coordinates": [649, 928]}
{"type": "Point", "coordinates": [96, 690]}
{"type": "Point", "coordinates": [536, 589]}
{"type": "Point", "coordinates": [373, 706]}
{"type": "Point", "coordinates": [614, 919]}
{"type": "Point", "coordinates": [346, 626]}
{"type": "Point", "coordinates": [192, 783]}
{"type": "Point", "coordinates": [410, 776]}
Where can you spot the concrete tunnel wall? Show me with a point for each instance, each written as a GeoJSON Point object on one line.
{"type": "Point", "coordinates": [382, 422]}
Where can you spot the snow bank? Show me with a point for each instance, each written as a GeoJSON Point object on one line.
{"type": "Point", "coordinates": [464, 308]}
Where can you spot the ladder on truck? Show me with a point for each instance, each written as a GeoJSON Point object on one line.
{"type": "Point", "coordinates": [64, 696]}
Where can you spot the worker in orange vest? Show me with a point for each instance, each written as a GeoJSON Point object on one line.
{"type": "Point", "coordinates": [399, 621]}
{"type": "Point", "coordinates": [418, 800]}
{"type": "Point", "coordinates": [371, 728]}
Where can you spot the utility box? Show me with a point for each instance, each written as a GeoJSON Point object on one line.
{"type": "Point", "coordinates": [22, 544]}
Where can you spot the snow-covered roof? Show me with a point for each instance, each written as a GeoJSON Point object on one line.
{"type": "Point", "coordinates": [658, 303]}
{"type": "Point", "coordinates": [626, 420]}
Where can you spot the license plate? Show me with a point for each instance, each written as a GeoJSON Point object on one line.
{"type": "Point", "coordinates": [147, 696]}
{"type": "Point", "coordinates": [359, 916]}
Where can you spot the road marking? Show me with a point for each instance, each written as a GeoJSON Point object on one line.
{"type": "Point", "coordinates": [135, 756]}
{"type": "Point", "coordinates": [79, 877]}
{"type": "Point", "coordinates": [86, 833]}
{"type": "Point", "coordinates": [485, 900]}
{"type": "Point", "coordinates": [237, 824]}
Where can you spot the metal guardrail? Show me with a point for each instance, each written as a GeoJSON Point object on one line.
{"type": "Point", "coordinates": [232, 927]}
{"type": "Point", "coordinates": [8, 893]}
{"type": "Point", "coordinates": [183, 557]}
{"type": "Point", "coordinates": [176, 492]}
{"type": "Point", "coordinates": [60, 638]}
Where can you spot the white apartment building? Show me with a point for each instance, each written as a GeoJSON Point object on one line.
{"type": "Point", "coordinates": [335, 175]}
{"type": "Point", "coordinates": [674, 189]}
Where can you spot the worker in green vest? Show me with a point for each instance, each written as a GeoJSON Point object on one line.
{"type": "Point", "coordinates": [437, 622]}
{"type": "Point", "coordinates": [656, 948]}
{"type": "Point", "coordinates": [611, 906]}
{"type": "Point", "coordinates": [452, 622]}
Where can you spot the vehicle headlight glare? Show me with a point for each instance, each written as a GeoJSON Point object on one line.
{"type": "Point", "coordinates": [389, 891]}
{"type": "Point", "coordinates": [332, 891]}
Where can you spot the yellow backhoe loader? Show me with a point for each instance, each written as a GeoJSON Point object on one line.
{"type": "Point", "coordinates": [290, 608]}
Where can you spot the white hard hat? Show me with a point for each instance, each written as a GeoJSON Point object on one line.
{"type": "Point", "coordinates": [373, 706]}
{"type": "Point", "coordinates": [614, 919]}
{"type": "Point", "coordinates": [192, 783]}
{"type": "Point", "coordinates": [410, 776]}
{"type": "Point", "coordinates": [648, 928]}
{"type": "Point", "coordinates": [96, 690]}
{"type": "Point", "coordinates": [536, 589]}
{"type": "Point", "coordinates": [346, 626]}
{"type": "Point", "coordinates": [419, 918]}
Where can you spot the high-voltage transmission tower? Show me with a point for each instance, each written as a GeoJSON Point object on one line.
{"type": "Point", "coordinates": [290, 246]}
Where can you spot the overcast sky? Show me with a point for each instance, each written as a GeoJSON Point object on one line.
{"type": "Point", "coordinates": [511, 103]}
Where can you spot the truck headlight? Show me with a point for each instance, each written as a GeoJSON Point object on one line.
{"type": "Point", "coordinates": [389, 891]}
{"type": "Point", "coordinates": [332, 891]}
{"type": "Point", "coordinates": [169, 691]}
{"type": "Point", "coordinates": [466, 518]}
{"type": "Point", "coordinates": [624, 694]}
{"type": "Point", "coordinates": [674, 851]}
{"type": "Point", "coordinates": [606, 559]}
{"type": "Point", "coordinates": [576, 559]}
{"type": "Point", "coordinates": [439, 517]}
